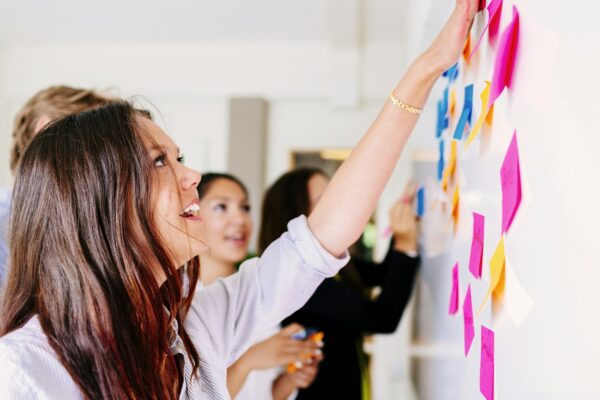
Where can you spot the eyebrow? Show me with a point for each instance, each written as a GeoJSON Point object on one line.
{"type": "Point", "coordinates": [163, 149]}
{"type": "Point", "coordinates": [244, 199]}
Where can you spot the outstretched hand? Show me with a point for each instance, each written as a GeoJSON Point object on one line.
{"type": "Point", "coordinates": [403, 221]}
{"type": "Point", "coordinates": [447, 47]}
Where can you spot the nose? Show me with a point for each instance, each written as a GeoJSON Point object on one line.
{"type": "Point", "coordinates": [190, 178]}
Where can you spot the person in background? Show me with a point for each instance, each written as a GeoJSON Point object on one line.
{"type": "Point", "coordinates": [46, 105]}
{"type": "Point", "coordinates": [226, 228]}
{"type": "Point", "coordinates": [342, 306]}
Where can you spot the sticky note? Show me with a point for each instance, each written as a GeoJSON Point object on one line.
{"type": "Point", "coordinates": [483, 117]}
{"type": "Point", "coordinates": [505, 58]}
{"type": "Point", "coordinates": [486, 367]}
{"type": "Point", "coordinates": [497, 275]}
{"type": "Point", "coordinates": [451, 73]}
{"type": "Point", "coordinates": [466, 114]}
{"type": "Point", "coordinates": [494, 14]}
{"type": "Point", "coordinates": [453, 306]}
{"type": "Point", "coordinates": [510, 179]}
{"type": "Point", "coordinates": [466, 53]}
{"type": "Point", "coordinates": [441, 162]}
{"type": "Point", "coordinates": [476, 258]}
{"type": "Point", "coordinates": [481, 5]}
{"type": "Point", "coordinates": [468, 320]}
{"type": "Point", "coordinates": [452, 103]}
{"type": "Point", "coordinates": [455, 207]}
{"type": "Point", "coordinates": [450, 169]}
{"type": "Point", "coordinates": [421, 201]}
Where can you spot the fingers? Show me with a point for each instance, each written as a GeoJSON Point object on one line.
{"type": "Point", "coordinates": [305, 376]}
{"type": "Point", "coordinates": [291, 329]}
{"type": "Point", "coordinates": [410, 190]}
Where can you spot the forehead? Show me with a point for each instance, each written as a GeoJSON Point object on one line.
{"type": "Point", "coordinates": [154, 136]}
{"type": "Point", "coordinates": [223, 187]}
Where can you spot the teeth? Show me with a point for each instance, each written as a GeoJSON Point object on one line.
{"type": "Point", "coordinates": [191, 210]}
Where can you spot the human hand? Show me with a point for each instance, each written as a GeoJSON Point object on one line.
{"type": "Point", "coordinates": [280, 350]}
{"type": "Point", "coordinates": [403, 221]}
{"type": "Point", "coordinates": [306, 375]}
{"type": "Point", "coordinates": [447, 47]}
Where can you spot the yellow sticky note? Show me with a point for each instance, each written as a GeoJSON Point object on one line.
{"type": "Point", "coordinates": [485, 97]}
{"type": "Point", "coordinates": [450, 169]}
{"type": "Point", "coordinates": [497, 274]}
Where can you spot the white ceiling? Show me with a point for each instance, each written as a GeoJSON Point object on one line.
{"type": "Point", "coordinates": [59, 21]}
{"type": "Point", "coordinates": [107, 21]}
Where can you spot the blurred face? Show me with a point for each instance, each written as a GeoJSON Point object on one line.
{"type": "Point", "coordinates": [226, 222]}
{"type": "Point", "coordinates": [316, 186]}
{"type": "Point", "coordinates": [174, 195]}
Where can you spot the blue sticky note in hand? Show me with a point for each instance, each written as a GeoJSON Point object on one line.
{"type": "Point", "coordinates": [421, 201]}
{"type": "Point", "coordinates": [466, 114]}
{"type": "Point", "coordinates": [441, 161]}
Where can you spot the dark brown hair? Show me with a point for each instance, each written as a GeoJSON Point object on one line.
{"type": "Point", "coordinates": [286, 199]}
{"type": "Point", "coordinates": [54, 102]}
{"type": "Point", "coordinates": [208, 178]}
{"type": "Point", "coordinates": [84, 251]}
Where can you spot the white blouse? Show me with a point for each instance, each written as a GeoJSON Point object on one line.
{"type": "Point", "coordinates": [224, 320]}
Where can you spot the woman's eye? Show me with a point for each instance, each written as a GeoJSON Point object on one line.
{"type": "Point", "coordinates": [160, 161]}
{"type": "Point", "coordinates": [181, 159]}
{"type": "Point", "coordinates": [246, 208]}
{"type": "Point", "coordinates": [220, 207]}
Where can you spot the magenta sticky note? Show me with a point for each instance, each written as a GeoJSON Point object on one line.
{"type": "Point", "coordinates": [486, 368]}
{"type": "Point", "coordinates": [505, 58]}
{"type": "Point", "coordinates": [476, 259]}
{"type": "Point", "coordinates": [468, 320]}
{"type": "Point", "coordinates": [510, 179]}
{"type": "Point", "coordinates": [492, 25]}
{"type": "Point", "coordinates": [495, 14]}
{"type": "Point", "coordinates": [453, 307]}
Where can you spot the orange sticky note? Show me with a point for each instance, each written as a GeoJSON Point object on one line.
{"type": "Point", "coordinates": [467, 49]}
{"type": "Point", "coordinates": [497, 274]}
{"type": "Point", "coordinates": [485, 96]}
{"type": "Point", "coordinates": [455, 207]}
{"type": "Point", "coordinates": [452, 104]}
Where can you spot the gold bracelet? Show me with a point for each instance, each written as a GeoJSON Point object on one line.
{"type": "Point", "coordinates": [403, 106]}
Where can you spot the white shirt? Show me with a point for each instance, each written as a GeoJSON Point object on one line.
{"type": "Point", "coordinates": [224, 320]}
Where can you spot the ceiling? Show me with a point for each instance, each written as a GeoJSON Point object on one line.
{"type": "Point", "coordinates": [107, 21]}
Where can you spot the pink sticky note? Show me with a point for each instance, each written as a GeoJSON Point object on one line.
{"type": "Point", "coordinates": [494, 14]}
{"type": "Point", "coordinates": [510, 178]}
{"type": "Point", "coordinates": [453, 307]}
{"type": "Point", "coordinates": [505, 58]}
{"type": "Point", "coordinates": [468, 320]}
{"type": "Point", "coordinates": [486, 368]}
{"type": "Point", "coordinates": [476, 258]}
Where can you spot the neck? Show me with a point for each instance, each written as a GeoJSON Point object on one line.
{"type": "Point", "coordinates": [212, 269]}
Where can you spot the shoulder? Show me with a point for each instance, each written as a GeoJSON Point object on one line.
{"type": "Point", "coordinates": [31, 368]}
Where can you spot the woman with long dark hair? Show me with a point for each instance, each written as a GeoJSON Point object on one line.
{"type": "Point", "coordinates": [104, 226]}
{"type": "Point", "coordinates": [342, 307]}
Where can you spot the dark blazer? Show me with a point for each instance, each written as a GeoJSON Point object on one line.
{"type": "Point", "coordinates": [345, 314]}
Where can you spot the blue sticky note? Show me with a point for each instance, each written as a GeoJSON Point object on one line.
{"type": "Point", "coordinates": [441, 161]}
{"type": "Point", "coordinates": [466, 114]}
{"type": "Point", "coordinates": [451, 73]}
{"type": "Point", "coordinates": [421, 201]}
{"type": "Point", "coordinates": [440, 120]}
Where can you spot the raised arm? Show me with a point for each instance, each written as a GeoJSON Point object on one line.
{"type": "Point", "coordinates": [350, 198]}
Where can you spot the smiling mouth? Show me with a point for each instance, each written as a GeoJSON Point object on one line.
{"type": "Point", "coordinates": [190, 211]}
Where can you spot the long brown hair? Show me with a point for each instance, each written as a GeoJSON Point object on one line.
{"type": "Point", "coordinates": [286, 199]}
{"type": "Point", "coordinates": [84, 251]}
